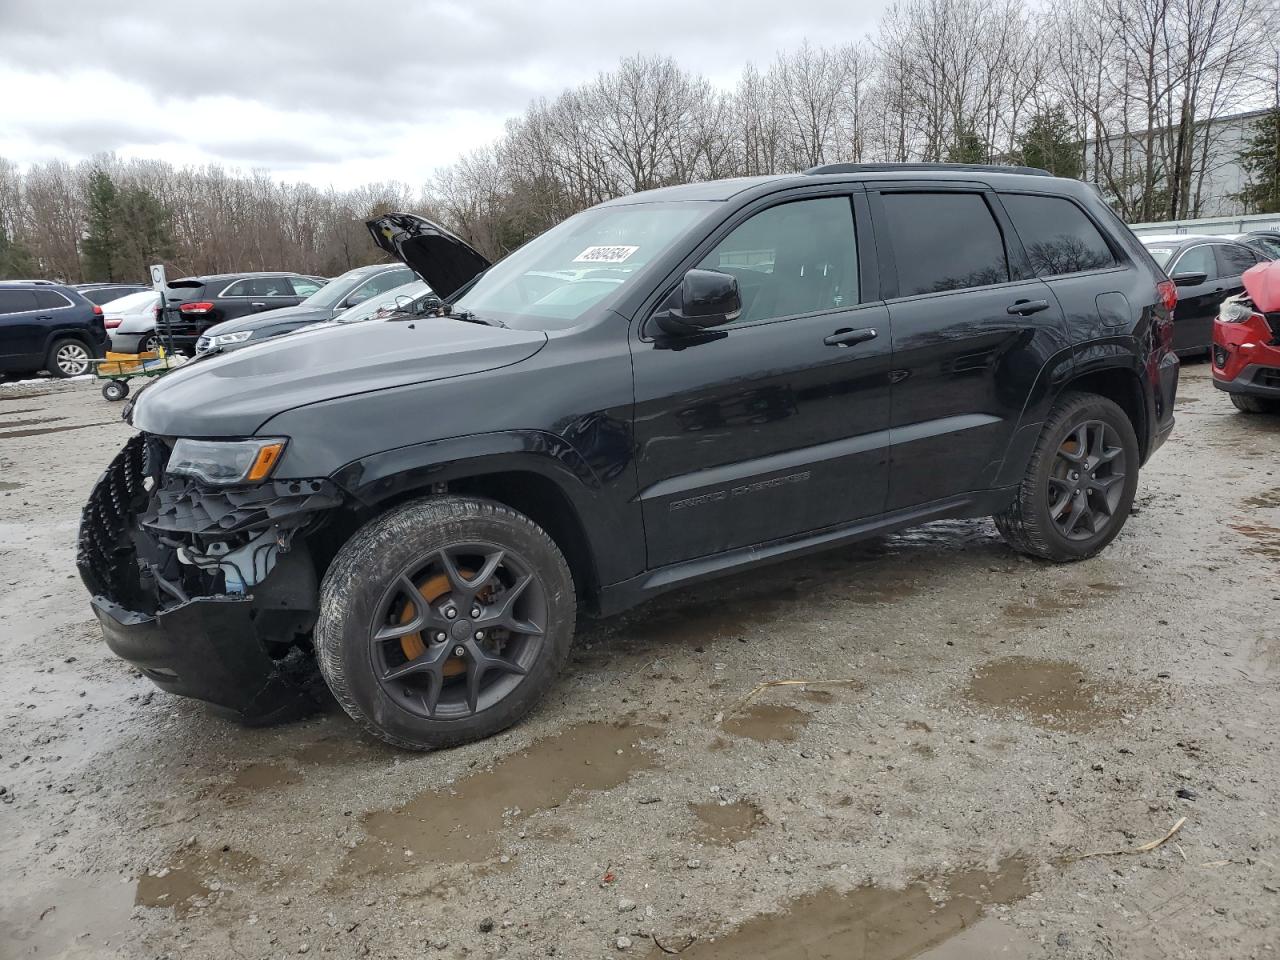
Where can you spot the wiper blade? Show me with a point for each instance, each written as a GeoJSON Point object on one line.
{"type": "Point", "coordinates": [467, 316]}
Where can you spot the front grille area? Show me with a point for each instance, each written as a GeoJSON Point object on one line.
{"type": "Point", "coordinates": [106, 554]}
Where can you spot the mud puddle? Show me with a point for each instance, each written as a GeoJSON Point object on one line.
{"type": "Point", "coordinates": [1266, 539]}
{"type": "Point", "coordinates": [16, 434]}
{"type": "Point", "coordinates": [868, 923]}
{"type": "Point", "coordinates": [767, 723]}
{"type": "Point", "coordinates": [9, 485]}
{"type": "Point", "coordinates": [724, 824]}
{"type": "Point", "coordinates": [82, 917]}
{"type": "Point", "coordinates": [257, 778]}
{"type": "Point", "coordinates": [1049, 693]}
{"type": "Point", "coordinates": [1265, 500]}
{"type": "Point", "coordinates": [463, 824]}
{"type": "Point", "coordinates": [1043, 606]}
{"type": "Point", "coordinates": [194, 878]}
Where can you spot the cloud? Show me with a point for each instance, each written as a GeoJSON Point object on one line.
{"type": "Point", "coordinates": [337, 88]}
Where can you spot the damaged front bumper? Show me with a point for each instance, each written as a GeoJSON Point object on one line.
{"type": "Point", "coordinates": [210, 592]}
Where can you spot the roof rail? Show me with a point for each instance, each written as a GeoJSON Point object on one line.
{"type": "Point", "coordinates": [939, 167]}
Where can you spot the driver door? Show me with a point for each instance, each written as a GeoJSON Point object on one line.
{"type": "Point", "coordinates": [778, 425]}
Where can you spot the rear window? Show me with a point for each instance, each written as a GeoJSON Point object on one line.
{"type": "Point", "coordinates": [260, 287]}
{"type": "Point", "coordinates": [180, 291]}
{"type": "Point", "coordinates": [16, 301]}
{"type": "Point", "coordinates": [1234, 259]}
{"type": "Point", "coordinates": [1161, 255]}
{"type": "Point", "coordinates": [1057, 235]}
{"type": "Point", "coordinates": [944, 241]}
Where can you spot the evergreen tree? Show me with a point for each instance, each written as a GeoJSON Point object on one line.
{"type": "Point", "coordinates": [1260, 158]}
{"type": "Point", "coordinates": [16, 261]}
{"type": "Point", "coordinates": [1050, 142]}
{"type": "Point", "coordinates": [968, 145]}
{"type": "Point", "coordinates": [142, 226]}
{"type": "Point", "coordinates": [101, 238]}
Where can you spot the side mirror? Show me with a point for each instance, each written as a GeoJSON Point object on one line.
{"type": "Point", "coordinates": [705, 298]}
{"type": "Point", "coordinates": [1189, 278]}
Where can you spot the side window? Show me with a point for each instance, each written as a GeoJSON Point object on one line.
{"type": "Point", "coordinates": [795, 258]}
{"type": "Point", "coordinates": [1197, 260]}
{"type": "Point", "coordinates": [16, 301]}
{"type": "Point", "coordinates": [1234, 259]}
{"type": "Point", "coordinates": [944, 241]}
{"type": "Point", "coordinates": [49, 300]}
{"type": "Point", "coordinates": [271, 287]}
{"type": "Point", "coordinates": [1057, 235]}
{"type": "Point", "coordinates": [304, 287]}
{"type": "Point", "coordinates": [389, 281]}
{"type": "Point", "coordinates": [238, 289]}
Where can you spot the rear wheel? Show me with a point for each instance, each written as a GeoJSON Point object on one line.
{"type": "Point", "coordinates": [1079, 484]}
{"type": "Point", "coordinates": [1247, 404]}
{"type": "Point", "coordinates": [68, 357]}
{"type": "Point", "coordinates": [150, 343]}
{"type": "Point", "coordinates": [444, 621]}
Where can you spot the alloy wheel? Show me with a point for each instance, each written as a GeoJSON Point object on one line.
{"type": "Point", "coordinates": [72, 359]}
{"type": "Point", "coordinates": [458, 630]}
{"type": "Point", "coordinates": [1086, 481]}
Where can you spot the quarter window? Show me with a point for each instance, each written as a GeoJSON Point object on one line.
{"type": "Point", "coordinates": [944, 241]}
{"type": "Point", "coordinates": [50, 300]}
{"type": "Point", "coordinates": [792, 259]}
{"type": "Point", "coordinates": [1058, 237]}
{"type": "Point", "coordinates": [260, 287]}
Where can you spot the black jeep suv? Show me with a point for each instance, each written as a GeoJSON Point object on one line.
{"type": "Point", "coordinates": [194, 304]}
{"type": "Point", "coordinates": [48, 326]}
{"type": "Point", "coordinates": [664, 388]}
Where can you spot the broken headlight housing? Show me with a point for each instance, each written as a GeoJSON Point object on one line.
{"type": "Point", "coordinates": [226, 461]}
{"type": "Point", "coordinates": [1233, 311]}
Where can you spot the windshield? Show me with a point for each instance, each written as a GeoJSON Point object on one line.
{"type": "Point", "coordinates": [336, 289]}
{"type": "Point", "coordinates": [389, 301]}
{"type": "Point", "coordinates": [1161, 255]}
{"type": "Point", "coordinates": [551, 281]}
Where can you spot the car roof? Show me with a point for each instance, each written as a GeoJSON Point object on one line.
{"type": "Point", "coordinates": [210, 277]}
{"type": "Point", "coordinates": [37, 283]}
{"type": "Point", "coordinates": [1028, 178]}
{"type": "Point", "coordinates": [1180, 237]}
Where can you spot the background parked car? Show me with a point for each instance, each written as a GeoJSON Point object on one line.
{"type": "Point", "coordinates": [194, 304]}
{"type": "Point", "coordinates": [1246, 343]}
{"type": "Point", "coordinates": [131, 321]}
{"type": "Point", "coordinates": [341, 293]}
{"type": "Point", "coordinates": [104, 293]}
{"type": "Point", "coordinates": [47, 326]}
{"type": "Point", "coordinates": [1265, 242]}
{"type": "Point", "coordinates": [1206, 270]}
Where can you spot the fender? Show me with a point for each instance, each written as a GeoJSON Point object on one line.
{"type": "Point", "coordinates": [1095, 356]}
{"type": "Point", "coordinates": [610, 522]}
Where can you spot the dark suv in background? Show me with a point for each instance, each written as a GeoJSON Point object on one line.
{"type": "Point", "coordinates": [668, 387]}
{"type": "Point", "coordinates": [194, 304]}
{"type": "Point", "coordinates": [339, 294]}
{"type": "Point", "coordinates": [48, 326]}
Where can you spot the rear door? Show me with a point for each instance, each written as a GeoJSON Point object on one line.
{"type": "Point", "coordinates": [255, 295]}
{"type": "Point", "coordinates": [21, 330]}
{"type": "Point", "coordinates": [972, 328]}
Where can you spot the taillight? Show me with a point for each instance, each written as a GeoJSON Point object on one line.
{"type": "Point", "coordinates": [112, 323]}
{"type": "Point", "coordinates": [199, 306]}
{"type": "Point", "coordinates": [1167, 290]}
{"type": "Point", "coordinates": [97, 310]}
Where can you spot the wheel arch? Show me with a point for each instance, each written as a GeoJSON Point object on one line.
{"type": "Point", "coordinates": [1122, 385]}
{"type": "Point", "coordinates": [536, 474]}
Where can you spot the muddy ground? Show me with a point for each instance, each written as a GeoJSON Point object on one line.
{"type": "Point", "coordinates": [987, 732]}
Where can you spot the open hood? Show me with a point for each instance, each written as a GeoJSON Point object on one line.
{"type": "Point", "coordinates": [445, 261]}
{"type": "Point", "coordinates": [1262, 283]}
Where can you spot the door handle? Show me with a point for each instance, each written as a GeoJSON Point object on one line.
{"type": "Point", "coordinates": [257, 305]}
{"type": "Point", "coordinates": [1027, 307]}
{"type": "Point", "coordinates": [847, 338]}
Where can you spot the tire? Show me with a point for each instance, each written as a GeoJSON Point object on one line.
{"type": "Point", "coordinates": [400, 688]}
{"type": "Point", "coordinates": [149, 343]}
{"type": "Point", "coordinates": [69, 357]}
{"type": "Point", "coordinates": [1044, 503]}
{"type": "Point", "coordinates": [1247, 404]}
{"type": "Point", "coordinates": [115, 390]}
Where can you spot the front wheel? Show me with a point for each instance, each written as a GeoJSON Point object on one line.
{"type": "Point", "coordinates": [1079, 484]}
{"type": "Point", "coordinates": [1247, 404]}
{"type": "Point", "coordinates": [115, 390]}
{"type": "Point", "coordinates": [444, 621]}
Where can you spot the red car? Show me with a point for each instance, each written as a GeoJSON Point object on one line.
{"type": "Point", "coordinates": [1246, 342]}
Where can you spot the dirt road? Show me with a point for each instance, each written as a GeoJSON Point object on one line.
{"type": "Point", "coordinates": [995, 721]}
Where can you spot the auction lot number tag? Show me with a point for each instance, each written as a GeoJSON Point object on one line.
{"type": "Point", "coordinates": [615, 254]}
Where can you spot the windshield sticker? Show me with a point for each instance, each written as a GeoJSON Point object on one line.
{"type": "Point", "coordinates": [616, 254]}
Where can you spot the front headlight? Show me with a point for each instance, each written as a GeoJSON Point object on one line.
{"type": "Point", "coordinates": [226, 461]}
{"type": "Point", "coordinates": [225, 338]}
{"type": "Point", "coordinates": [1233, 311]}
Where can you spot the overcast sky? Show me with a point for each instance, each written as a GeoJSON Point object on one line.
{"type": "Point", "coordinates": [345, 92]}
